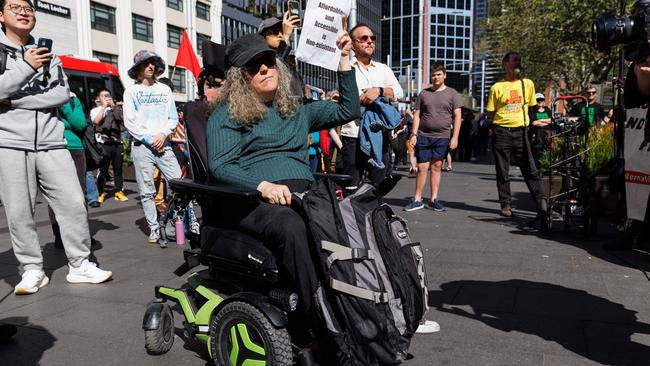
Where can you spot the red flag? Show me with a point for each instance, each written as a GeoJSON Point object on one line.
{"type": "Point", "coordinates": [187, 58]}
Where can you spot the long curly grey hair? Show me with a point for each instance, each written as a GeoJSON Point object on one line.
{"type": "Point", "coordinates": [245, 106]}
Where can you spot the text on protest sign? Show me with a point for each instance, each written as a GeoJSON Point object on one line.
{"type": "Point", "coordinates": [321, 26]}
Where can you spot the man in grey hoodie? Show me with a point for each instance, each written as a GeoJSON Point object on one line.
{"type": "Point", "coordinates": [33, 154]}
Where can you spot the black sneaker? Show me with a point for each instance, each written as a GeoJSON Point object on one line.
{"type": "Point", "coordinates": [436, 205]}
{"type": "Point", "coordinates": [413, 205]}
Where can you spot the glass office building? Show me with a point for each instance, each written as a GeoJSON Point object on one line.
{"type": "Point", "coordinates": [449, 39]}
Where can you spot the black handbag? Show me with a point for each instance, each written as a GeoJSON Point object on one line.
{"type": "Point", "coordinates": [94, 152]}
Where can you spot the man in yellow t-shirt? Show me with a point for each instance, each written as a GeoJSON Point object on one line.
{"type": "Point", "coordinates": [507, 107]}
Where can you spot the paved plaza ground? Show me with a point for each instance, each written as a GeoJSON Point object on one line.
{"type": "Point", "coordinates": [502, 293]}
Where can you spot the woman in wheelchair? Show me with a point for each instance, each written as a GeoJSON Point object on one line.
{"type": "Point", "coordinates": [257, 140]}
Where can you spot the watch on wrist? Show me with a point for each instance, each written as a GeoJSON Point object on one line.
{"type": "Point", "coordinates": [381, 91]}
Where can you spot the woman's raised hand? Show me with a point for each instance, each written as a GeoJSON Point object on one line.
{"type": "Point", "coordinates": [343, 41]}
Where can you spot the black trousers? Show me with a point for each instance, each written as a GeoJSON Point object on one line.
{"type": "Point", "coordinates": [355, 162]}
{"type": "Point", "coordinates": [114, 153]}
{"type": "Point", "coordinates": [511, 145]}
{"type": "Point", "coordinates": [283, 231]}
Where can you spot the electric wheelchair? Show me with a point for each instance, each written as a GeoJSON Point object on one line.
{"type": "Point", "coordinates": [239, 306]}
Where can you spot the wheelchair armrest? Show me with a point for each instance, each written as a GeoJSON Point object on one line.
{"type": "Point", "coordinates": [212, 190]}
{"type": "Point", "coordinates": [341, 179]}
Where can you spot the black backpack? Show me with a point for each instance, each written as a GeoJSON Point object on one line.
{"type": "Point", "coordinates": [373, 292]}
{"type": "Point", "coordinates": [95, 158]}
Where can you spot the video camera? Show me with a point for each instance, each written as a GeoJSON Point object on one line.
{"type": "Point", "coordinates": [633, 32]}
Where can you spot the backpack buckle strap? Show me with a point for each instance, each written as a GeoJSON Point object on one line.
{"type": "Point", "coordinates": [376, 297]}
{"type": "Point", "coordinates": [342, 253]}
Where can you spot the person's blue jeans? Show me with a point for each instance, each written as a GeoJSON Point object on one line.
{"type": "Point", "coordinates": [144, 159]}
{"type": "Point", "coordinates": [92, 194]}
{"type": "Point", "coordinates": [313, 163]}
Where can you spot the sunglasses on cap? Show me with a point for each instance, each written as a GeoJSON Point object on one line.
{"type": "Point", "coordinates": [366, 38]}
{"type": "Point", "coordinates": [253, 66]}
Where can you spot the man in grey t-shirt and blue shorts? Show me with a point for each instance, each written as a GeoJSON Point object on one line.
{"type": "Point", "coordinates": [437, 107]}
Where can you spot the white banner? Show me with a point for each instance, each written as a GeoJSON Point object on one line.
{"type": "Point", "coordinates": [321, 25]}
{"type": "Point", "coordinates": [637, 163]}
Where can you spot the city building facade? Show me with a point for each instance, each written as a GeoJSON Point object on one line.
{"type": "Point", "coordinates": [486, 72]}
{"type": "Point", "coordinates": [447, 26]}
{"type": "Point", "coordinates": [113, 31]}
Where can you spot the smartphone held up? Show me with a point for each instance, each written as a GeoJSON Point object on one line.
{"type": "Point", "coordinates": [294, 9]}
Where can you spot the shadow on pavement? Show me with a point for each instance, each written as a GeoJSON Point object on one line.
{"type": "Point", "coordinates": [587, 325]}
{"type": "Point", "coordinates": [27, 345]}
{"type": "Point", "coordinates": [97, 225]}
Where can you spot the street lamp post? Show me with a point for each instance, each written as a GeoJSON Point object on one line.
{"type": "Point", "coordinates": [483, 86]}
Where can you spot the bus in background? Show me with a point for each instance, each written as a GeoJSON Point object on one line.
{"type": "Point", "coordinates": [86, 77]}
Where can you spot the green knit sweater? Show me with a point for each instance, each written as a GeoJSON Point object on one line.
{"type": "Point", "coordinates": [74, 121]}
{"type": "Point", "coordinates": [275, 148]}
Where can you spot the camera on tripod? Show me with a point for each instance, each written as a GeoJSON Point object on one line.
{"type": "Point", "coordinates": [633, 32]}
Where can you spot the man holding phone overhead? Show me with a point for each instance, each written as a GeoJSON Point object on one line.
{"type": "Point", "coordinates": [33, 154]}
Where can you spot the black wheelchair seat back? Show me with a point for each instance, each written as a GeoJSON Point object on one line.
{"type": "Point", "coordinates": [223, 248]}
{"type": "Point", "coordinates": [196, 116]}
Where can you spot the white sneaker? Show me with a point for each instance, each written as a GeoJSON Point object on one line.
{"type": "Point", "coordinates": [88, 272]}
{"type": "Point", "coordinates": [427, 327]}
{"type": "Point", "coordinates": [32, 280]}
{"type": "Point", "coordinates": [154, 236]}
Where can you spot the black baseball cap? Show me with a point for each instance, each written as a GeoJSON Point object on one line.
{"type": "Point", "coordinates": [242, 50]}
{"type": "Point", "coordinates": [268, 23]}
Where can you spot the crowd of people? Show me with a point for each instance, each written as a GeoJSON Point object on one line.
{"type": "Point", "coordinates": [266, 130]}
{"type": "Point", "coordinates": [145, 123]}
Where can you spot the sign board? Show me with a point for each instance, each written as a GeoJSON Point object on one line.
{"type": "Point", "coordinates": [637, 163]}
{"type": "Point", "coordinates": [53, 9]}
{"type": "Point", "coordinates": [321, 26]}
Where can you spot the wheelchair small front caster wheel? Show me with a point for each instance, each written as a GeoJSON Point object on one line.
{"type": "Point", "coordinates": [160, 340]}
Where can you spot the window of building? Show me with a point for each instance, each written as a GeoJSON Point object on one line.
{"type": "Point", "coordinates": [200, 38]}
{"type": "Point", "coordinates": [202, 11]}
{"type": "Point", "coordinates": [106, 57]}
{"type": "Point", "coordinates": [102, 17]}
{"type": "Point", "coordinates": [142, 28]}
{"type": "Point", "coordinates": [178, 79]}
{"type": "Point", "coordinates": [174, 35]}
{"type": "Point", "coordinates": [175, 4]}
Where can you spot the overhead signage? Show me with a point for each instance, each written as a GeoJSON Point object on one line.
{"type": "Point", "coordinates": [53, 9]}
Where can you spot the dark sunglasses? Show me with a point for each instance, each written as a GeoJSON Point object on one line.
{"type": "Point", "coordinates": [366, 38]}
{"type": "Point", "coordinates": [253, 66]}
{"type": "Point", "coordinates": [592, 92]}
{"type": "Point", "coordinates": [213, 85]}
{"type": "Point", "coordinates": [272, 31]}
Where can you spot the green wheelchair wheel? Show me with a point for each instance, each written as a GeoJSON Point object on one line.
{"type": "Point", "coordinates": [240, 335]}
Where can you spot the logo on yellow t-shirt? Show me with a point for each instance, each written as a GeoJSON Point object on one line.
{"type": "Point", "coordinates": [513, 104]}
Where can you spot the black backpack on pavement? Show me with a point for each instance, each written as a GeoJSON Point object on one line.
{"type": "Point", "coordinates": [373, 292]}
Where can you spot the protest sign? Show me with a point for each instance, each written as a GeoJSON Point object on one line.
{"type": "Point", "coordinates": [637, 163]}
{"type": "Point", "coordinates": [321, 26]}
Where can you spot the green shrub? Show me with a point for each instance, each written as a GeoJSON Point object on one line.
{"type": "Point", "coordinates": [602, 148]}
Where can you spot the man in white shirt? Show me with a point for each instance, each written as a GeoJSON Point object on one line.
{"type": "Point", "coordinates": [150, 117]}
{"type": "Point", "coordinates": [374, 80]}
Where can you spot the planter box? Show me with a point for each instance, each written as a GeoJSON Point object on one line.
{"type": "Point", "coordinates": [128, 171]}
{"type": "Point", "coordinates": [552, 188]}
